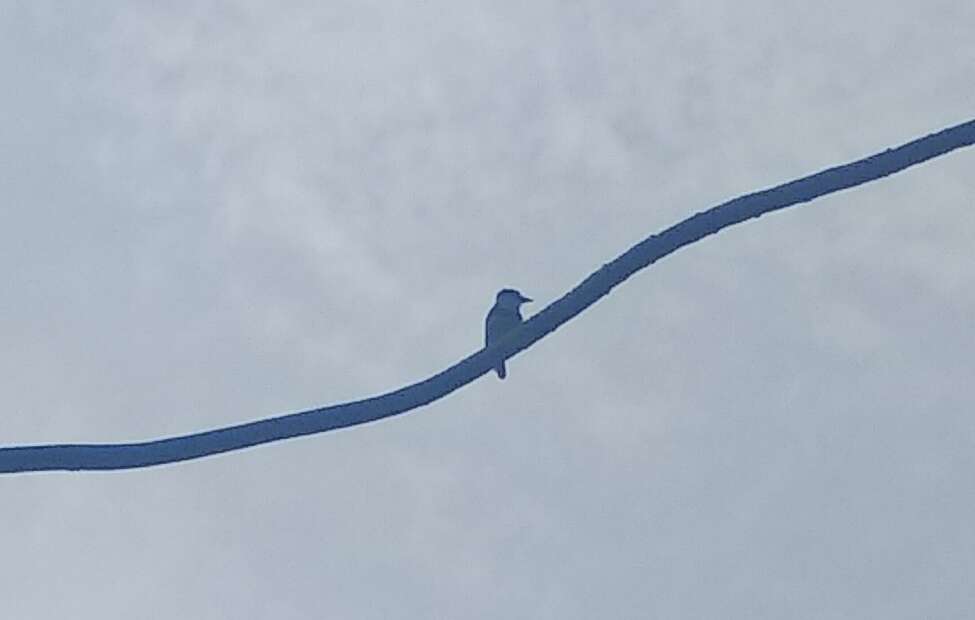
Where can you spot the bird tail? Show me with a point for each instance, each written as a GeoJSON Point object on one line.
{"type": "Point", "coordinates": [500, 369]}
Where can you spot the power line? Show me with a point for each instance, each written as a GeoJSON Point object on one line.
{"type": "Point", "coordinates": [170, 450]}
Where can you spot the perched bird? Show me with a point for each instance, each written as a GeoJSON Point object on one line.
{"type": "Point", "coordinates": [504, 316]}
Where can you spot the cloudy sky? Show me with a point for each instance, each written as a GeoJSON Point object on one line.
{"type": "Point", "coordinates": [216, 212]}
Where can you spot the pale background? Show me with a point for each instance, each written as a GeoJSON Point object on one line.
{"type": "Point", "coordinates": [216, 212]}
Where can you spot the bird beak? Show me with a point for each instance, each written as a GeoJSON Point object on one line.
{"type": "Point", "coordinates": [525, 300]}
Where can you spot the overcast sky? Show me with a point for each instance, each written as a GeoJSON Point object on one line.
{"type": "Point", "coordinates": [216, 212]}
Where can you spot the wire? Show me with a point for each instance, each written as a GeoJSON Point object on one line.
{"type": "Point", "coordinates": [600, 283]}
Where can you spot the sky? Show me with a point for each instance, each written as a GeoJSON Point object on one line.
{"type": "Point", "coordinates": [216, 212]}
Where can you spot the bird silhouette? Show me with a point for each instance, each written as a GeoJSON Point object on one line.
{"type": "Point", "coordinates": [503, 317]}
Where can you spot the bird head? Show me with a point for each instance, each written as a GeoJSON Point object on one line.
{"type": "Point", "coordinates": [510, 298]}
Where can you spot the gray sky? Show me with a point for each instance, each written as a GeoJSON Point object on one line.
{"type": "Point", "coordinates": [218, 212]}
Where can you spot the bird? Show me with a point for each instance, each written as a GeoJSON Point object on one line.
{"type": "Point", "coordinates": [503, 317]}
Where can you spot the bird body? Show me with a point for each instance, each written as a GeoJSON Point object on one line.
{"type": "Point", "coordinates": [503, 317]}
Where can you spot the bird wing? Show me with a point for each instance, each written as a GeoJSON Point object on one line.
{"type": "Point", "coordinates": [499, 322]}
